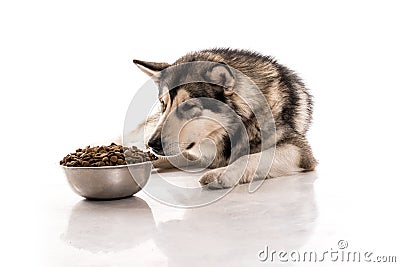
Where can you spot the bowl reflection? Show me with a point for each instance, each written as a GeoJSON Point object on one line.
{"type": "Point", "coordinates": [109, 226]}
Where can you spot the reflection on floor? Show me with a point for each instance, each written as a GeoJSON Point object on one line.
{"type": "Point", "coordinates": [296, 213]}
{"type": "Point", "coordinates": [231, 230]}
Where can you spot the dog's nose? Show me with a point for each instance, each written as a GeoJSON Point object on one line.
{"type": "Point", "coordinates": [155, 144]}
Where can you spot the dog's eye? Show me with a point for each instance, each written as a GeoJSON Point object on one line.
{"type": "Point", "coordinates": [187, 106]}
{"type": "Point", "coordinates": [163, 106]}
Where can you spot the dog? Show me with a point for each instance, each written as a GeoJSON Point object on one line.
{"type": "Point", "coordinates": [237, 112]}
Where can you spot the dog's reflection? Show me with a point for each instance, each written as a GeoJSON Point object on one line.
{"type": "Point", "coordinates": [281, 214]}
{"type": "Point", "coordinates": [109, 226]}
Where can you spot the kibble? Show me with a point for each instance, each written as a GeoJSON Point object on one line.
{"type": "Point", "coordinates": [112, 155]}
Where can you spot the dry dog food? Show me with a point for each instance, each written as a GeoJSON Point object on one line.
{"type": "Point", "coordinates": [112, 155]}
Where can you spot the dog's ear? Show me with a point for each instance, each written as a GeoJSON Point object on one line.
{"type": "Point", "coordinates": [153, 69]}
{"type": "Point", "coordinates": [221, 74]}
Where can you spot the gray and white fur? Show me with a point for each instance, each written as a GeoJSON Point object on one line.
{"type": "Point", "coordinates": [246, 83]}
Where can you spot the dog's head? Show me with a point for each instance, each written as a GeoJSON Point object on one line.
{"type": "Point", "coordinates": [192, 98]}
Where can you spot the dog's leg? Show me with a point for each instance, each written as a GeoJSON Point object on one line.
{"type": "Point", "coordinates": [181, 161]}
{"type": "Point", "coordinates": [200, 157]}
{"type": "Point", "coordinates": [286, 159]}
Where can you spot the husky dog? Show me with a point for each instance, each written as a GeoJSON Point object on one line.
{"type": "Point", "coordinates": [190, 124]}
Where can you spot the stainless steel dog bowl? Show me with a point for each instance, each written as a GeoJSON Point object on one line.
{"type": "Point", "coordinates": [109, 182]}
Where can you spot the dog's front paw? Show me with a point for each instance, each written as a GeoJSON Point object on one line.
{"type": "Point", "coordinates": [178, 161]}
{"type": "Point", "coordinates": [217, 179]}
{"type": "Point", "coordinates": [162, 163]}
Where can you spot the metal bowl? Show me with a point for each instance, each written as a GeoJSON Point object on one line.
{"type": "Point", "coordinates": [108, 182]}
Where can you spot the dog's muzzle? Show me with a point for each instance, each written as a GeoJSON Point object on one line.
{"type": "Point", "coordinates": [156, 145]}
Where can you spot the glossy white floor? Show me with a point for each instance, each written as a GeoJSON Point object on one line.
{"type": "Point", "coordinates": [308, 213]}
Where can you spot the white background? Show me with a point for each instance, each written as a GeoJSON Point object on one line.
{"type": "Point", "coordinates": [67, 77]}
